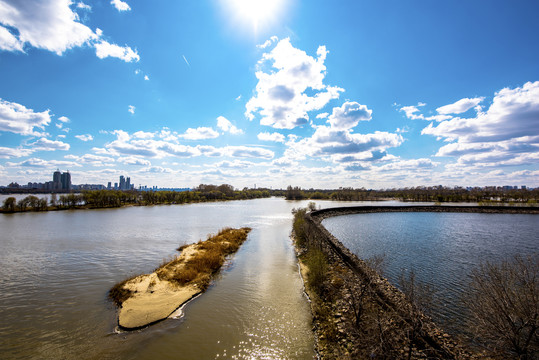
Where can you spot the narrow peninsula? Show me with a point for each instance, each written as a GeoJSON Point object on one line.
{"type": "Point", "coordinates": [148, 298]}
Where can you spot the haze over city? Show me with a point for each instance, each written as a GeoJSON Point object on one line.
{"type": "Point", "coordinates": [310, 93]}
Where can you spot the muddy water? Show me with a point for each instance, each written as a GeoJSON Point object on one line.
{"type": "Point", "coordinates": [57, 267]}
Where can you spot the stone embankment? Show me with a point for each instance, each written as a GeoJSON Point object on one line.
{"type": "Point", "coordinates": [358, 313]}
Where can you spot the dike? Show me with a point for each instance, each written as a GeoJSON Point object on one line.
{"type": "Point", "coordinates": [356, 312]}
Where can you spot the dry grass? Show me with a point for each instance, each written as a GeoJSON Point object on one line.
{"type": "Point", "coordinates": [206, 259]}
{"type": "Point", "coordinates": [118, 293]}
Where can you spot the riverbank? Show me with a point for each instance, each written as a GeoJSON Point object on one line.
{"type": "Point", "coordinates": [356, 312]}
{"type": "Point", "coordinates": [148, 298]}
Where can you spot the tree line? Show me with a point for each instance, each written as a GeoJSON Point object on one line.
{"type": "Point", "coordinates": [94, 199]}
{"type": "Point", "coordinates": [484, 195]}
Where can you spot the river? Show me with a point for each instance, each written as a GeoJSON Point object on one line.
{"type": "Point", "coordinates": [56, 269]}
{"type": "Point", "coordinates": [441, 248]}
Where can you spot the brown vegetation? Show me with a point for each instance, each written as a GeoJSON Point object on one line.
{"type": "Point", "coordinates": [195, 266]}
{"type": "Point", "coordinates": [356, 313]}
{"type": "Point", "coordinates": [504, 302]}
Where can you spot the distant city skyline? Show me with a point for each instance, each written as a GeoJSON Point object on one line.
{"type": "Point", "coordinates": [308, 93]}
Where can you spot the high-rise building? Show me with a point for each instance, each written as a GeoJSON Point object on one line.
{"type": "Point", "coordinates": [66, 181]}
{"type": "Point", "coordinates": [122, 182]}
{"type": "Point", "coordinates": [128, 184]}
{"type": "Point", "coordinates": [61, 181]}
{"type": "Point", "coordinates": [57, 180]}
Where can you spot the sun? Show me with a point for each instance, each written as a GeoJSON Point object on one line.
{"type": "Point", "coordinates": [257, 13]}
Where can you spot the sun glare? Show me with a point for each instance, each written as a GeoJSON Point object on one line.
{"type": "Point", "coordinates": [256, 13]}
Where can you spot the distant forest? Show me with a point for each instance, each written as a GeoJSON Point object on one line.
{"type": "Point", "coordinates": [92, 199]}
{"type": "Point", "coordinates": [420, 194]}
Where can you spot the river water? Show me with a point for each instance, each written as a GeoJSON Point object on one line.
{"type": "Point", "coordinates": [441, 248]}
{"type": "Point", "coordinates": [57, 267]}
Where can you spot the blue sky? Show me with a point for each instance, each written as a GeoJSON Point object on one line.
{"type": "Point", "coordinates": [375, 94]}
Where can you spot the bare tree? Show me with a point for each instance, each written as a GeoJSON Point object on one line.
{"type": "Point", "coordinates": [504, 302]}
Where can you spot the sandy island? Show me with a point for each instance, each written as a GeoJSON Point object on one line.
{"type": "Point", "coordinates": [148, 298]}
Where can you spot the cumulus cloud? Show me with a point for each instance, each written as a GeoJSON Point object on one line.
{"type": "Point", "coordinates": [8, 41]}
{"type": "Point", "coordinates": [506, 134]}
{"type": "Point", "coordinates": [349, 115]}
{"type": "Point", "coordinates": [85, 137]}
{"type": "Point", "coordinates": [248, 152]}
{"type": "Point", "coordinates": [40, 163]}
{"type": "Point", "coordinates": [64, 119]}
{"type": "Point", "coordinates": [341, 145]}
{"type": "Point", "coordinates": [18, 119]}
{"type": "Point", "coordinates": [281, 98]}
{"type": "Point", "coordinates": [412, 164]}
{"type": "Point", "coordinates": [268, 42]}
{"type": "Point", "coordinates": [81, 5]}
{"type": "Point", "coordinates": [460, 106]}
{"type": "Point", "coordinates": [236, 164]}
{"type": "Point", "coordinates": [49, 145]}
{"type": "Point", "coordinates": [105, 49]}
{"type": "Point", "coordinates": [146, 147]}
{"type": "Point", "coordinates": [225, 125]}
{"type": "Point", "coordinates": [8, 153]}
{"type": "Point", "coordinates": [276, 137]}
{"type": "Point", "coordinates": [120, 5]}
{"type": "Point", "coordinates": [200, 133]}
{"type": "Point", "coordinates": [134, 160]}
{"type": "Point", "coordinates": [513, 113]}
{"type": "Point", "coordinates": [131, 109]}
{"type": "Point", "coordinates": [91, 159]}
{"type": "Point", "coordinates": [412, 112]}
{"type": "Point", "coordinates": [54, 26]}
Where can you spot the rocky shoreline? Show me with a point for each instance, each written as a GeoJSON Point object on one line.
{"type": "Point", "coordinates": [359, 314]}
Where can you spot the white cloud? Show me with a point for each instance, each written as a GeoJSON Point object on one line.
{"type": "Point", "coordinates": [513, 113]}
{"type": "Point", "coordinates": [200, 133]}
{"type": "Point", "coordinates": [44, 24]}
{"type": "Point", "coordinates": [281, 98]}
{"type": "Point", "coordinates": [225, 125]}
{"type": "Point", "coordinates": [105, 49]}
{"type": "Point", "coordinates": [248, 152]}
{"type": "Point", "coordinates": [460, 106]}
{"type": "Point", "coordinates": [81, 5]}
{"type": "Point", "coordinates": [134, 160]}
{"type": "Point", "coordinates": [54, 26]}
{"type": "Point", "coordinates": [349, 115]}
{"type": "Point", "coordinates": [90, 159]}
{"type": "Point", "coordinates": [120, 5]}
{"type": "Point", "coordinates": [49, 145]}
{"type": "Point", "coordinates": [131, 109]}
{"type": "Point", "coordinates": [506, 134]}
{"type": "Point", "coordinates": [343, 145]}
{"type": "Point", "coordinates": [64, 119]}
{"type": "Point", "coordinates": [236, 164]}
{"type": "Point", "coordinates": [18, 119]}
{"type": "Point", "coordinates": [412, 164]}
{"type": "Point", "coordinates": [268, 42]}
{"type": "Point", "coordinates": [7, 153]}
{"type": "Point", "coordinates": [156, 170]}
{"type": "Point", "coordinates": [40, 163]}
{"type": "Point", "coordinates": [413, 110]}
{"type": "Point", "coordinates": [323, 115]}
{"type": "Point", "coordinates": [8, 41]}
{"type": "Point", "coordinates": [143, 135]}
{"type": "Point", "coordinates": [85, 137]}
{"type": "Point", "coordinates": [266, 136]}
{"type": "Point", "coordinates": [146, 77]}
